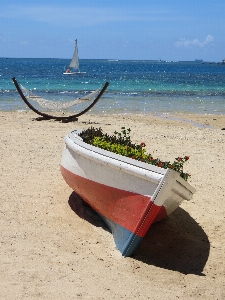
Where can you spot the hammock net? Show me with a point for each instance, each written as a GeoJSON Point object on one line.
{"type": "Point", "coordinates": [58, 105]}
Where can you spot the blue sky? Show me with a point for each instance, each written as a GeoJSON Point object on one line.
{"type": "Point", "coordinates": [113, 29]}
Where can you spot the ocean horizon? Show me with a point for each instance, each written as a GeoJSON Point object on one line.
{"type": "Point", "coordinates": [136, 86]}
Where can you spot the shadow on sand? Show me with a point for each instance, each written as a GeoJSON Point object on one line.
{"type": "Point", "coordinates": [84, 211]}
{"type": "Point", "coordinates": [177, 243]}
{"type": "Point", "coordinates": [62, 121]}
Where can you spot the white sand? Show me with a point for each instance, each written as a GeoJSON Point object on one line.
{"type": "Point", "coordinates": [54, 247]}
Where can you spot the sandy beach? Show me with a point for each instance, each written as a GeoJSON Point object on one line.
{"type": "Point", "coordinates": [53, 246]}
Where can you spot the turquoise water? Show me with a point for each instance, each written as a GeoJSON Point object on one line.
{"type": "Point", "coordinates": [144, 87]}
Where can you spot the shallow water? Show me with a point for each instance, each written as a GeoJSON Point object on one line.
{"type": "Point", "coordinates": [142, 87]}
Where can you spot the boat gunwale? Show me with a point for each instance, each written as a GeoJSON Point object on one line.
{"type": "Point", "coordinates": [73, 135]}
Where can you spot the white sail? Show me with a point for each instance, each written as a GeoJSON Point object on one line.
{"type": "Point", "coordinates": [74, 64]}
{"type": "Point", "coordinates": [75, 60]}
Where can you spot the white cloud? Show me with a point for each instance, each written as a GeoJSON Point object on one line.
{"type": "Point", "coordinates": [24, 42]}
{"type": "Point", "coordinates": [81, 15]}
{"type": "Point", "coordinates": [195, 42]}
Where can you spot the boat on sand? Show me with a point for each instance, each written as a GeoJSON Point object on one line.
{"type": "Point", "coordinates": [128, 194]}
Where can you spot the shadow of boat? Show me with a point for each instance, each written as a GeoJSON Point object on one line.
{"type": "Point", "coordinates": [84, 211]}
{"type": "Point", "coordinates": [177, 243]}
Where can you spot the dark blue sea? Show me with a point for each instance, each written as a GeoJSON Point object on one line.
{"type": "Point", "coordinates": [142, 87]}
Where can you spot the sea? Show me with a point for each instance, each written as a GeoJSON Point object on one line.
{"type": "Point", "coordinates": [136, 86]}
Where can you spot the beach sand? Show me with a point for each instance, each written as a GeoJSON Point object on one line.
{"type": "Point", "coordinates": [53, 246]}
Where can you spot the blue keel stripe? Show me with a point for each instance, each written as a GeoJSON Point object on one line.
{"type": "Point", "coordinates": [126, 241]}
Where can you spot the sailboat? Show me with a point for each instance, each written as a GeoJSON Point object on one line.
{"type": "Point", "coordinates": [74, 64]}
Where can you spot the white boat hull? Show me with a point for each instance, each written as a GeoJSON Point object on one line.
{"type": "Point", "coordinates": [129, 195]}
{"type": "Point", "coordinates": [73, 73]}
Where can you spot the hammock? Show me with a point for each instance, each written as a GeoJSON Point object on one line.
{"type": "Point", "coordinates": [27, 95]}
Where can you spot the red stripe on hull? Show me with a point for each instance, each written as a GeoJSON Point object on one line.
{"type": "Point", "coordinates": [134, 212]}
{"type": "Point", "coordinates": [162, 214]}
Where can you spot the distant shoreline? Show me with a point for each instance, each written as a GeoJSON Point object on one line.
{"type": "Point", "coordinates": [198, 61]}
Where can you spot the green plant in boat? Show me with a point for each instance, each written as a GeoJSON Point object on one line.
{"type": "Point", "coordinates": [120, 143]}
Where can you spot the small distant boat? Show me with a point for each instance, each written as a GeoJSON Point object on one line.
{"type": "Point", "coordinates": [74, 64]}
{"type": "Point", "coordinates": [128, 194]}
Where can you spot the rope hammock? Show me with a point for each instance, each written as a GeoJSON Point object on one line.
{"type": "Point", "coordinates": [27, 95]}
{"type": "Point", "coordinates": [56, 105]}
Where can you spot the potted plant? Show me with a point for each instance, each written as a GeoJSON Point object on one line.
{"type": "Point", "coordinates": [120, 143]}
{"type": "Point", "coordinates": [125, 185]}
